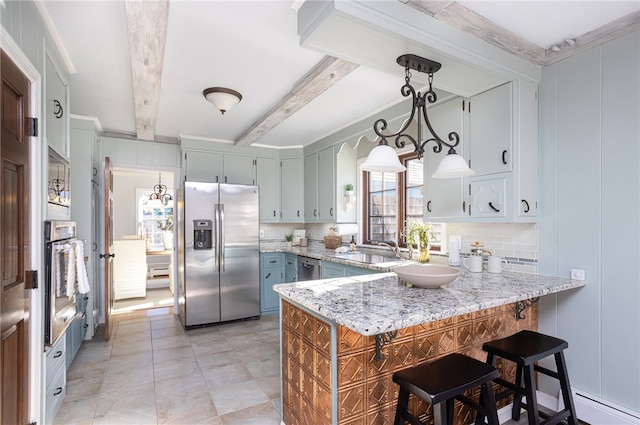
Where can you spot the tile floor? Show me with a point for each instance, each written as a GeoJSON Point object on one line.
{"type": "Point", "coordinates": [152, 371]}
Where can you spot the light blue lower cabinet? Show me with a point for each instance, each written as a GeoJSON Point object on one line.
{"type": "Point", "coordinates": [271, 273]}
{"type": "Point", "coordinates": [56, 379]}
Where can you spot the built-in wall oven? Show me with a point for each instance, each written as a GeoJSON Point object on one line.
{"type": "Point", "coordinates": [60, 278]}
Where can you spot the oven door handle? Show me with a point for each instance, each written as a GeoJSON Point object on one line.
{"type": "Point", "coordinates": [106, 255]}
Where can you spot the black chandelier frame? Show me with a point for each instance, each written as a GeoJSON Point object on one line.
{"type": "Point", "coordinates": [160, 192]}
{"type": "Point", "coordinates": [420, 102]}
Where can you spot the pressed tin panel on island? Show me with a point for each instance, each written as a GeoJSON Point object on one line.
{"type": "Point", "coordinates": [365, 391]}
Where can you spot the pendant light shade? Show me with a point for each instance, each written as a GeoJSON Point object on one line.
{"type": "Point", "coordinates": [452, 165]}
{"type": "Point", "coordinates": [222, 98]}
{"type": "Point", "coordinates": [384, 159]}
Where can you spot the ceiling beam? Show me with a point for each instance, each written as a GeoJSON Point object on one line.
{"type": "Point", "coordinates": [457, 16]}
{"type": "Point", "coordinates": [325, 74]}
{"type": "Point", "coordinates": [147, 31]}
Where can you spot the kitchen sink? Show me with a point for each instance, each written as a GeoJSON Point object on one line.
{"type": "Point", "coordinates": [369, 258]}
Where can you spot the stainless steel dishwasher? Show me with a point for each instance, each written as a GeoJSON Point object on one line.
{"type": "Point", "coordinates": [308, 268]}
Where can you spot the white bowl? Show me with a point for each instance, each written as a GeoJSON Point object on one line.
{"type": "Point", "coordinates": [426, 275]}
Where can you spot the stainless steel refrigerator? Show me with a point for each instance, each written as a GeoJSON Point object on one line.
{"type": "Point", "coordinates": [218, 253]}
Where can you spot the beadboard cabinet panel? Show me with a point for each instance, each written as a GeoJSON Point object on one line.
{"type": "Point", "coordinates": [589, 211]}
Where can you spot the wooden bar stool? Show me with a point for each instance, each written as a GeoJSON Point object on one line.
{"type": "Point", "coordinates": [525, 348]}
{"type": "Point", "coordinates": [443, 380]}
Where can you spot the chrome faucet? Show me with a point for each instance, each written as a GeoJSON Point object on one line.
{"type": "Point", "coordinates": [395, 249]}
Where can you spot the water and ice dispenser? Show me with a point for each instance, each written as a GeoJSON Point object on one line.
{"type": "Point", "coordinates": [202, 234]}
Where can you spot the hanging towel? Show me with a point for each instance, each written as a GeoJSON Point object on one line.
{"type": "Point", "coordinates": [71, 271]}
{"type": "Point", "coordinates": [81, 269]}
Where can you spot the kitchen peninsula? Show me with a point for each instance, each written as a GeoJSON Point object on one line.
{"type": "Point", "coordinates": [343, 338]}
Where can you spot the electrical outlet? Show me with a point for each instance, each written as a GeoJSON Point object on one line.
{"type": "Point", "coordinates": [577, 274]}
{"type": "Point", "coordinates": [261, 233]}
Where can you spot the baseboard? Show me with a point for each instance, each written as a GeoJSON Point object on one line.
{"type": "Point", "coordinates": [596, 411]}
{"type": "Point", "coordinates": [591, 409]}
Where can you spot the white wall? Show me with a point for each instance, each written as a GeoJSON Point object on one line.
{"type": "Point", "coordinates": [590, 215]}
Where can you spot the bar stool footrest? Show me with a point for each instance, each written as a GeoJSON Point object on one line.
{"type": "Point", "coordinates": [546, 371]}
{"type": "Point", "coordinates": [512, 388]}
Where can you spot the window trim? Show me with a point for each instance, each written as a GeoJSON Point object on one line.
{"type": "Point", "coordinates": [401, 188]}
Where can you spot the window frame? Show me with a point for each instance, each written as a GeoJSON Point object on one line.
{"type": "Point", "coordinates": [401, 190]}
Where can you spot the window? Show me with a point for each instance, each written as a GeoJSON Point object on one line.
{"type": "Point", "coordinates": [149, 215]}
{"type": "Point", "coordinates": [392, 199]}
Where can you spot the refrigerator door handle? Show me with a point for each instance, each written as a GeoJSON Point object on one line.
{"type": "Point", "coordinates": [216, 237]}
{"type": "Point", "coordinates": [222, 242]}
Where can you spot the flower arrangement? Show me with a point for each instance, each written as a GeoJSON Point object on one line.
{"type": "Point", "coordinates": [166, 225]}
{"type": "Point", "coordinates": [419, 233]}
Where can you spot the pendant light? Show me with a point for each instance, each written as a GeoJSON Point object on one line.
{"type": "Point", "coordinates": [383, 158]}
{"type": "Point", "coordinates": [160, 192]}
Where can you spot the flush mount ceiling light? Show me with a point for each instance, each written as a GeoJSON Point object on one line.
{"type": "Point", "coordinates": [222, 98]}
{"type": "Point", "coordinates": [384, 159]}
{"type": "Point", "coordinates": [160, 192]}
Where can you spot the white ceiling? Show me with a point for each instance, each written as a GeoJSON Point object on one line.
{"type": "Point", "coordinates": [253, 47]}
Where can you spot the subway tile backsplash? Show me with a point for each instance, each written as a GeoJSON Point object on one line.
{"type": "Point", "coordinates": [517, 242]}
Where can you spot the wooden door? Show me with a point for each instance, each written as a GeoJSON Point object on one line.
{"type": "Point", "coordinates": [14, 244]}
{"type": "Point", "coordinates": [108, 248]}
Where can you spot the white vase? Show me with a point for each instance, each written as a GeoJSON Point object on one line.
{"type": "Point", "coordinates": [167, 240]}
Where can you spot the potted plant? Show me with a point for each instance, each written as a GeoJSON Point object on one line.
{"type": "Point", "coordinates": [418, 233]}
{"type": "Point", "coordinates": [167, 232]}
{"type": "Point", "coordinates": [289, 239]}
{"type": "Point", "coordinates": [348, 189]}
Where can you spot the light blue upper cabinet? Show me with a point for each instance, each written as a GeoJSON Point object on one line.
{"type": "Point", "coordinates": [319, 186]}
{"type": "Point", "coordinates": [267, 179]}
{"type": "Point", "coordinates": [57, 111]}
{"type": "Point", "coordinates": [443, 197]}
{"type": "Point", "coordinates": [327, 185]}
{"type": "Point", "coordinates": [503, 150]}
{"type": "Point", "coordinates": [490, 131]}
{"type": "Point", "coordinates": [203, 166]}
{"type": "Point", "coordinates": [239, 169]}
{"type": "Point", "coordinates": [311, 187]}
{"type": "Point", "coordinates": [292, 190]}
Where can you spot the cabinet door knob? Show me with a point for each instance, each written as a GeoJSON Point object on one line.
{"type": "Point", "coordinates": [429, 206]}
{"type": "Point", "coordinates": [526, 205]}
{"type": "Point", "coordinates": [331, 212]}
{"type": "Point", "coordinates": [58, 391]}
{"type": "Point", "coordinates": [315, 213]}
{"type": "Point", "coordinates": [298, 213]}
{"type": "Point", "coordinates": [492, 207]}
{"type": "Point", "coordinates": [504, 157]}
{"type": "Point", "coordinates": [58, 354]}
{"type": "Point", "coordinates": [268, 275]}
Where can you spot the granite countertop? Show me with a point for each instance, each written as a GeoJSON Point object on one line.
{"type": "Point", "coordinates": [330, 255]}
{"type": "Point", "coordinates": [377, 303]}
